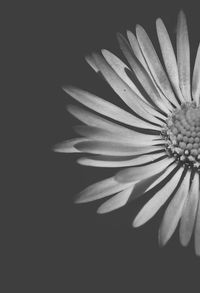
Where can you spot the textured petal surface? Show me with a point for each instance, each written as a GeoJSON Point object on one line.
{"type": "Point", "coordinates": [174, 211]}
{"type": "Point", "coordinates": [142, 159]}
{"type": "Point", "coordinates": [183, 56]}
{"type": "Point", "coordinates": [116, 202]}
{"type": "Point", "coordinates": [143, 77]}
{"type": "Point", "coordinates": [169, 57]}
{"type": "Point", "coordinates": [155, 66]}
{"type": "Point", "coordinates": [106, 108]}
{"type": "Point", "coordinates": [124, 91]}
{"type": "Point", "coordinates": [119, 67]}
{"type": "Point", "coordinates": [189, 212]}
{"type": "Point", "coordinates": [112, 134]}
{"type": "Point", "coordinates": [100, 190]}
{"type": "Point", "coordinates": [154, 204]}
{"type": "Point", "coordinates": [142, 172]}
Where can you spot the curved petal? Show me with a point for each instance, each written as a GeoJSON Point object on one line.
{"type": "Point", "coordinates": [127, 95]}
{"type": "Point", "coordinates": [142, 159]}
{"type": "Point", "coordinates": [183, 56]}
{"type": "Point", "coordinates": [137, 51]}
{"type": "Point", "coordinates": [143, 77]}
{"type": "Point", "coordinates": [174, 211]}
{"type": "Point", "coordinates": [189, 212]}
{"type": "Point", "coordinates": [112, 149]}
{"type": "Point", "coordinates": [119, 67]}
{"type": "Point", "coordinates": [115, 202]}
{"type": "Point", "coordinates": [155, 203]}
{"type": "Point", "coordinates": [142, 172]}
{"type": "Point", "coordinates": [100, 190]}
{"type": "Point", "coordinates": [169, 57]}
{"type": "Point", "coordinates": [67, 146]}
{"type": "Point", "coordinates": [94, 120]}
{"type": "Point", "coordinates": [154, 64]}
{"type": "Point", "coordinates": [109, 135]}
{"type": "Point", "coordinates": [108, 109]}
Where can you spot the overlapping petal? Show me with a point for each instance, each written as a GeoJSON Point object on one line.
{"type": "Point", "coordinates": [140, 140]}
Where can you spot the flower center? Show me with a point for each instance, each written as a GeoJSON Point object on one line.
{"type": "Point", "coordinates": [182, 135]}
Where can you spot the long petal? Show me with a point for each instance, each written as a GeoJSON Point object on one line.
{"type": "Point", "coordinates": [189, 212]}
{"type": "Point", "coordinates": [156, 202]}
{"type": "Point", "coordinates": [196, 78]}
{"type": "Point", "coordinates": [121, 69]}
{"type": "Point", "coordinates": [124, 91]}
{"type": "Point", "coordinates": [138, 173]}
{"type": "Point", "coordinates": [130, 137]}
{"type": "Point", "coordinates": [111, 149]}
{"type": "Point", "coordinates": [154, 64]}
{"type": "Point", "coordinates": [143, 77]}
{"type": "Point", "coordinates": [183, 56]}
{"type": "Point", "coordinates": [169, 57]}
{"type": "Point", "coordinates": [68, 145]}
{"type": "Point", "coordinates": [142, 159]}
{"type": "Point", "coordinates": [174, 211]}
{"type": "Point", "coordinates": [106, 108]}
{"type": "Point", "coordinates": [136, 50]}
{"type": "Point", "coordinates": [94, 120]}
{"type": "Point", "coordinates": [100, 190]}
{"type": "Point", "coordinates": [116, 202]}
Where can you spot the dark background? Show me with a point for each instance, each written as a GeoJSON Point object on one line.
{"type": "Point", "coordinates": [60, 246]}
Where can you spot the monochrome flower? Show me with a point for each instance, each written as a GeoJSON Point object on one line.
{"type": "Point", "coordinates": [155, 140]}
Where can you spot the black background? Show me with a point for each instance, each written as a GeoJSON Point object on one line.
{"type": "Point", "coordinates": [60, 246]}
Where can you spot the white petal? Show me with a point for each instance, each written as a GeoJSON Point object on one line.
{"type": "Point", "coordinates": [108, 134]}
{"type": "Point", "coordinates": [119, 67]}
{"type": "Point", "coordinates": [116, 202]}
{"type": "Point", "coordinates": [91, 62]}
{"type": "Point", "coordinates": [116, 164]}
{"type": "Point", "coordinates": [142, 172]}
{"type": "Point", "coordinates": [174, 211]}
{"type": "Point", "coordinates": [154, 64]}
{"type": "Point", "coordinates": [94, 120]}
{"type": "Point", "coordinates": [189, 212]}
{"type": "Point", "coordinates": [143, 77]}
{"type": "Point", "coordinates": [108, 109]}
{"type": "Point", "coordinates": [183, 56]}
{"type": "Point", "coordinates": [100, 190]}
{"type": "Point", "coordinates": [169, 57]}
{"type": "Point", "coordinates": [155, 203]}
{"type": "Point", "coordinates": [136, 50]}
{"type": "Point", "coordinates": [112, 149]}
{"type": "Point", "coordinates": [125, 92]}
{"type": "Point", "coordinates": [196, 78]}
{"type": "Point", "coordinates": [169, 170]}
{"type": "Point", "coordinates": [141, 186]}
{"type": "Point", "coordinates": [68, 146]}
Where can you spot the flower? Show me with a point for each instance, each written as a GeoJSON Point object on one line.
{"type": "Point", "coordinates": [155, 142]}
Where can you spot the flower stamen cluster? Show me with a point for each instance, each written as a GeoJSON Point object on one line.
{"type": "Point", "coordinates": [182, 135]}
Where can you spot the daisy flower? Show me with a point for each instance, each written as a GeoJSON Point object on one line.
{"type": "Point", "coordinates": [154, 144]}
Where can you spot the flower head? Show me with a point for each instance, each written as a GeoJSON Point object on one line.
{"type": "Point", "coordinates": [156, 141]}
